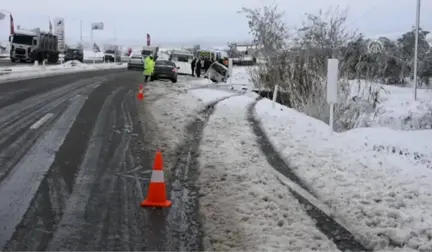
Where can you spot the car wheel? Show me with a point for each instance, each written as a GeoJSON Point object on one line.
{"type": "Point", "coordinates": [174, 80]}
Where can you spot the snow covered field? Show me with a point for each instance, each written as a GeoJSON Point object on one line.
{"type": "Point", "coordinates": [397, 108]}
{"type": "Point", "coordinates": [372, 178]}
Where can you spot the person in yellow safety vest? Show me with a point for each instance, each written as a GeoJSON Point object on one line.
{"type": "Point", "coordinates": [148, 68]}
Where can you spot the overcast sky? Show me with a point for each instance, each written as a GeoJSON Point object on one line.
{"type": "Point", "coordinates": [187, 21]}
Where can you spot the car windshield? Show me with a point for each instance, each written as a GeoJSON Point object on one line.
{"type": "Point", "coordinates": [181, 57]}
{"type": "Point", "coordinates": [22, 39]}
{"type": "Point", "coordinates": [164, 63]}
{"type": "Point", "coordinates": [72, 51]}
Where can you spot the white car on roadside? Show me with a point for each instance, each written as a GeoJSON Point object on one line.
{"type": "Point", "coordinates": [183, 60]}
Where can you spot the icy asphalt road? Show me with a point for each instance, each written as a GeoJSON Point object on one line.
{"type": "Point", "coordinates": [75, 164]}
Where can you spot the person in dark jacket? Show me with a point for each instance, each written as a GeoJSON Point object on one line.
{"type": "Point", "coordinates": [207, 64]}
{"type": "Point", "coordinates": [193, 63]}
{"type": "Point", "coordinates": [198, 67]}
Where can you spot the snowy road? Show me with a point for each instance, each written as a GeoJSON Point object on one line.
{"type": "Point", "coordinates": [76, 153]}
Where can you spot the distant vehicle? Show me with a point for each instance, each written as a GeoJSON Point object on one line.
{"type": "Point", "coordinates": [150, 50]}
{"type": "Point", "coordinates": [74, 53]}
{"type": "Point", "coordinates": [211, 54]}
{"type": "Point", "coordinates": [183, 60]}
{"type": "Point", "coordinates": [165, 70]}
{"type": "Point", "coordinates": [112, 55]}
{"type": "Point", "coordinates": [33, 45]}
{"type": "Point", "coordinates": [136, 62]}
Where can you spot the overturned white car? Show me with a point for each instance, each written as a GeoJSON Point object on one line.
{"type": "Point", "coordinates": [217, 73]}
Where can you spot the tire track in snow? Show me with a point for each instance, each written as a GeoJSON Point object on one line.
{"type": "Point", "coordinates": [185, 232]}
{"type": "Point", "coordinates": [343, 239]}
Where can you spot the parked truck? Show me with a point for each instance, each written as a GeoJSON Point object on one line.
{"type": "Point", "coordinates": [33, 45]}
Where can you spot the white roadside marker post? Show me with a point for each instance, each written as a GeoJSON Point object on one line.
{"type": "Point", "coordinates": [275, 94]}
{"type": "Point", "coordinates": [332, 90]}
{"type": "Point", "coordinates": [230, 71]}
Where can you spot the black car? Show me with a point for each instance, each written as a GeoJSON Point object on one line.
{"type": "Point", "coordinates": [74, 54]}
{"type": "Point", "coordinates": [166, 70]}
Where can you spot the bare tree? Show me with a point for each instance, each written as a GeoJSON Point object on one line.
{"type": "Point", "coordinates": [299, 65]}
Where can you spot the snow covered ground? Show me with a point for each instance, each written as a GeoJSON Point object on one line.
{"type": "Point", "coordinates": [24, 72]}
{"type": "Point", "coordinates": [243, 205]}
{"type": "Point", "coordinates": [377, 180]}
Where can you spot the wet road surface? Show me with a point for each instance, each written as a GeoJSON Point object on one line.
{"type": "Point", "coordinates": [74, 167]}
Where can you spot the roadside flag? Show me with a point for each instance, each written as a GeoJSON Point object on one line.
{"type": "Point", "coordinates": [12, 26]}
{"type": "Point", "coordinates": [96, 48]}
{"type": "Point", "coordinates": [148, 40]}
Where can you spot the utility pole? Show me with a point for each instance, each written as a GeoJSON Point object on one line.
{"type": "Point", "coordinates": [416, 47]}
{"type": "Point", "coordinates": [81, 32]}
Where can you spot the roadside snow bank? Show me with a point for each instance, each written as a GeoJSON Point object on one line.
{"type": "Point", "coordinates": [28, 72]}
{"type": "Point", "coordinates": [243, 205]}
{"type": "Point", "coordinates": [90, 55]}
{"type": "Point", "coordinates": [173, 106]}
{"type": "Point", "coordinates": [383, 196]}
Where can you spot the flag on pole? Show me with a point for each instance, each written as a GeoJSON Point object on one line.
{"type": "Point", "coordinates": [148, 40]}
{"type": "Point", "coordinates": [12, 26]}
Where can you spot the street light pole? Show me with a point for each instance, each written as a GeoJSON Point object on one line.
{"type": "Point", "coordinates": [81, 32]}
{"type": "Point", "coordinates": [416, 47]}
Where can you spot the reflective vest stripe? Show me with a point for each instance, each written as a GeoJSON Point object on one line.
{"type": "Point", "coordinates": [157, 176]}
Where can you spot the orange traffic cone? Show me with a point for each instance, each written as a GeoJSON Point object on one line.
{"type": "Point", "coordinates": [140, 95]}
{"type": "Point", "coordinates": [156, 195]}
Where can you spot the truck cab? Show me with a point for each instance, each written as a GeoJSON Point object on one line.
{"type": "Point", "coordinates": [33, 45]}
{"type": "Point", "coordinates": [21, 44]}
